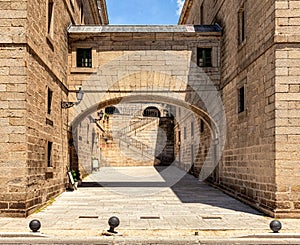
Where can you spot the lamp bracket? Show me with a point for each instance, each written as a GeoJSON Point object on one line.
{"type": "Point", "coordinates": [66, 105]}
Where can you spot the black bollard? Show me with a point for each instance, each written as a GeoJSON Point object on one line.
{"type": "Point", "coordinates": [113, 222]}
{"type": "Point", "coordinates": [35, 225]}
{"type": "Point", "coordinates": [275, 226]}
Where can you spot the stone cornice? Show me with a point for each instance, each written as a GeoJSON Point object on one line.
{"type": "Point", "coordinates": [208, 29]}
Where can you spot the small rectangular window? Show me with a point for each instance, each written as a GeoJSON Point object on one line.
{"type": "Point", "coordinates": [179, 136]}
{"type": "Point", "coordinates": [241, 99]}
{"type": "Point", "coordinates": [192, 155]}
{"type": "Point", "coordinates": [241, 19]}
{"type": "Point", "coordinates": [49, 100]}
{"type": "Point", "coordinates": [201, 126]}
{"type": "Point", "coordinates": [204, 57]}
{"type": "Point", "coordinates": [49, 154]}
{"type": "Point", "coordinates": [184, 132]}
{"type": "Point", "coordinates": [81, 13]}
{"type": "Point", "coordinates": [50, 16]}
{"type": "Point", "coordinates": [84, 57]}
{"type": "Point", "coordinates": [87, 133]}
{"type": "Point", "coordinates": [192, 128]}
{"type": "Point", "coordinates": [201, 15]}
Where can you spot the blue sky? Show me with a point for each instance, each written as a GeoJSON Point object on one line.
{"type": "Point", "coordinates": [143, 11]}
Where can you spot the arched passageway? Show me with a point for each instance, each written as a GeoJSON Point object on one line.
{"type": "Point", "coordinates": [111, 110]}
{"type": "Point", "coordinates": [169, 75]}
{"type": "Point", "coordinates": [204, 155]}
{"type": "Point", "coordinates": [151, 111]}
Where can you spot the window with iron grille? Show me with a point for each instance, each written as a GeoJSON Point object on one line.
{"type": "Point", "coordinates": [49, 154]}
{"type": "Point", "coordinates": [242, 23]}
{"type": "Point", "coordinates": [201, 15]}
{"type": "Point", "coordinates": [81, 13]}
{"type": "Point", "coordinates": [50, 16]}
{"type": "Point", "coordinates": [84, 57]}
{"type": "Point", "coordinates": [241, 99]}
{"type": "Point", "coordinates": [201, 126]}
{"type": "Point", "coordinates": [49, 100]}
{"type": "Point", "coordinates": [204, 57]}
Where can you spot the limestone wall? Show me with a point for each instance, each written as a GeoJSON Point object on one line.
{"type": "Point", "coordinates": [248, 160]}
{"type": "Point", "coordinates": [13, 15]}
{"type": "Point", "coordinates": [13, 148]}
{"type": "Point", "coordinates": [247, 167]}
{"type": "Point", "coordinates": [33, 60]}
{"type": "Point", "coordinates": [149, 62]}
{"type": "Point", "coordinates": [260, 163]}
{"type": "Point", "coordinates": [287, 92]}
{"type": "Point", "coordinates": [46, 64]}
{"type": "Point", "coordinates": [194, 142]}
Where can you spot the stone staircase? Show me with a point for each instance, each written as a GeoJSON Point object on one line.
{"type": "Point", "coordinates": [133, 141]}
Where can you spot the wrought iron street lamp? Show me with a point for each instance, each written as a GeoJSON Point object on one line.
{"type": "Point", "coordinates": [79, 96]}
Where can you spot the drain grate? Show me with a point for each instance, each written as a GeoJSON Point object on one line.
{"type": "Point", "coordinates": [211, 217]}
{"type": "Point", "coordinates": [88, 217]}
{"type": "Point", "coordinates": [149, 217]}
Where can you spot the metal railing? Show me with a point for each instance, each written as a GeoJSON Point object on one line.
{"type": "Point", "coordinates": [134, 126]}
{"type": "Point", "coordinates": [142, 148]}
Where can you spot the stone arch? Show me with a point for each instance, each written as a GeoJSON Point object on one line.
{"type": "Point", "coordinates": [151, 111]}
{"type": "Point", "coordinates": [211, 125]}
{"type": "Point", "coordinates": [111, 110]}
{"type": "Point", "coordinates": [189, 87]}
{"type": "Point", "coordinates": [136, 98]}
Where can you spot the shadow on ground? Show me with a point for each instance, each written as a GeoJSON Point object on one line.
{"type": "Point", "coordinates": [186, 187]}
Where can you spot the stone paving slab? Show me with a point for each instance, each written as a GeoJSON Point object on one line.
{"type": "Point", "coordinates": [146, 210]}
{"type": "Point", "coordinates": [148, 240]}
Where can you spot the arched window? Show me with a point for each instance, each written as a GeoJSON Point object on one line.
{"type": "Point", "coordinates": [111, 110]}
{"type": "Point", "coordinates": [151, 111]}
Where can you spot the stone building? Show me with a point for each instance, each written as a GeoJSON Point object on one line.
{"type": "Point", "coordinates": [33, 82]}
{"type": "Point", "coordinates": [260, 87]}
{"type": "Point", "coordinates": [145, 66]}
{"type": "Point", "coordinates": [245, 50]}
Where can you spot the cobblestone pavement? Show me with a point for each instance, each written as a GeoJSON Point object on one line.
{"type": "Point", "coordinates": [150, 202]}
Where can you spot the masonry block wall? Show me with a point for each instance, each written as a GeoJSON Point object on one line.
{"type": "Point", "coordinates": [13, 139]}
{"type": "Point", "coordinates": [33, 70]}
{"type": "Point", "coordinates": [287, 107]}
{"type": "Point", "coordinates": [260, 162]}
{"type": "Point", "coordinates": [83, 141]}
{"type": "Point", "coordinates": [13, 150]}
{"type": "Point", "coordinates": [132, 61]}
{"type": "Point", "coordinates": [193, 139]}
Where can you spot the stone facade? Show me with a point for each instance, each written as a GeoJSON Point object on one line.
{"type": "Point", "coordinates": [260, 52]}
{"type": "Point", "coordinates": [192, 141]}
{"type": "Point", "coordinates": [254, 66]}
{"type": "Point", "coordinates": [34, 81]}
{"type": "Point", "coordinates": [144, 64]}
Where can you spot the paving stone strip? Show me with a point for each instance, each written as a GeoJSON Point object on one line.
{"type": "Point", "coordinates": [180, 211]}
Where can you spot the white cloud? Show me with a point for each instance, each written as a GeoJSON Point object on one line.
{"type": "Point", "coordinates": [179, 6]}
